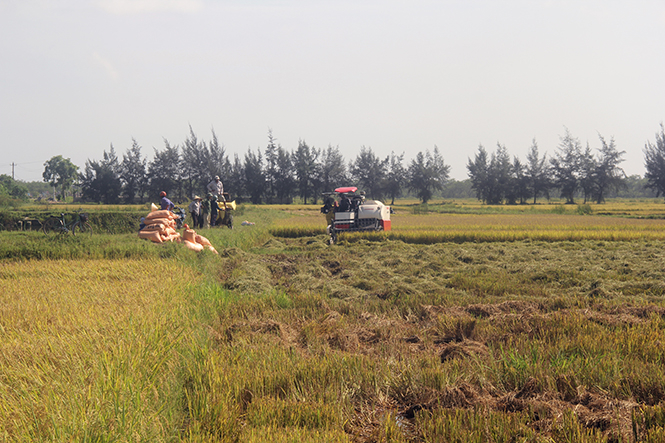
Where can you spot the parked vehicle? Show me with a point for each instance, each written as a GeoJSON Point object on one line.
{"type": "Point", "coordinates": [225, 216]}
{"type": "Point", "coordinates": [180, 213]}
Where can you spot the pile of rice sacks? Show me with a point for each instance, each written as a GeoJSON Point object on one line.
{"type": "Point", "coordinates": [160, 227]}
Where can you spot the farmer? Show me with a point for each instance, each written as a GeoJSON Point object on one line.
{"type": "Point", "coordinates": [329, 208]}
{"type": "Point", "coordinates": [215, 187]}
{"type": "Point", "coordinates": [195, 210]}
{"type": "Point", "coordinates": [344, 203]}
{"type": "Point", "coordinates": [214, 209]}
{"type": "Point", "coordinates": [205, 210]}
{"type": "Point", "coordinates": [165, 203]}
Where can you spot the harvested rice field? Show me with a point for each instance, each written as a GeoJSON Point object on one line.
{"type": "Point", "coordinates": [520, 341]}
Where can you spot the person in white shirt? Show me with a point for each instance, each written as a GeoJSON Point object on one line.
{"type": "Point", "coordinates": [195, 210]}
{"type": "Point", "coordinates": [216, 187]}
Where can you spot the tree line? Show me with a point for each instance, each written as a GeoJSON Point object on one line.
{"type": "Point", "coordinates": [271, 175]}
{"type": "Point", "coordinates": [279, 175]}
{"type": "Point", "coordinates": [571, 171]}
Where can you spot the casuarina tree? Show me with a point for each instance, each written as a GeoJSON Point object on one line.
{"type": "Point", "coordinates": [369, 172]}
{"type": "Point", "coordinates": [100, 182]}
{"type": "Point", "coordinates": [164, 172]}
{"type": "Point", "coordinates": [397, 177]}
{"type": "Point", "coordinates": [306, 166]}
{"type": "Point", "coordinates": [255, 181]}
{"type": "Point", "coordinates": [428, 174]}
{"type": "Point", "coordinates": [566, 167]}
{"type": "Point", "coordinates": [654, 162]}
{"type": "Point", "coordinates": [332, 169]}
{"type": "Point", "coordinates": [608, 175]}
{"type": "Point", "coordinates": [133, 174]}
{"type": "Point", "coordinates": [536, 173]}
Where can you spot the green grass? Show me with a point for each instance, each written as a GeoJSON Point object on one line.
{"type": "Point", "coordinates": [19, 245]}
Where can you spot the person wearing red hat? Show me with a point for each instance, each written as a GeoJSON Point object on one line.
{"type": "Point", "coordinates": [165, 203]}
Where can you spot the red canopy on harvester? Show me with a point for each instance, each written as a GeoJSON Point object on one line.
{"type": "Point", "coordinates": [346, 189]}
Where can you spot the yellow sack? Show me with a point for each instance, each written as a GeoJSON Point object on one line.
{"type": "Point", "coordinates": [155, 227]}
{"type": "Point", "coordinates": [164, 221]}
{"type": "Point", "coordinates": [164, 213]}
{"type": "Point", "coordinates": [193, 246]}
{"type": "Point", "coordinates": [153, 236]}
{"type": "Point", "coordinates": [189, 235]}
{"type": "Point", "coordinates": [202, 240]}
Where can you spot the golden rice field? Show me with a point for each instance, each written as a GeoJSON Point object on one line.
{"type": "Point", "coordinates": [433, 228]}
{"type": "Point", "coordinates": [653, 207]}
{"type": "Point", "coordinates": [91, 350]}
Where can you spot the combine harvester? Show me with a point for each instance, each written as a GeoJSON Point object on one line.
{"type": "Point", "coordinates": [352, 213]}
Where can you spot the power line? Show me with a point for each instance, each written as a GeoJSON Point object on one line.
{"type": "Point", "coordinates": [14, 165]}
{"type": "Point", "coordinates": [26, 163]}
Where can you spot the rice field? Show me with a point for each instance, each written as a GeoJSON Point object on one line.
{"type": "Point", "coordinates": [91, 350]}
{"type": "Point", "coordinates": [644, 208]}
{"type": "Point", "coordinates": [493, 327]}
{"type": "Point", "coordinates": [436, 228]}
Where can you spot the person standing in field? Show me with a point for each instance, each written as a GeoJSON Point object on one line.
{"type": "Point", "coordinates": [329, 208]}
{"type": "Point", "coordinates": [205, 211]}
{"type": "Point", "coordinates": [216, 187]}
{"type": "Point", "coordinates": [195, 210]}
{"type": "Point", "coordinates": [214, 210]}
{"type": "Point", "coordinates": [165, 203]}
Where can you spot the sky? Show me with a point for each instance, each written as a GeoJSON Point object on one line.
{"type": "Point", "coordinates": [77, 76]}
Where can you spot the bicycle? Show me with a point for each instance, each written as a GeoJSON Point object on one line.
{"type": "Point", "coordinates": [80, 224]}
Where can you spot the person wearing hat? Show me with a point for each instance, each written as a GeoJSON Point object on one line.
{"type": "Point", "coordinates": [165, 203]}
{"type": "Point", "coordinates": [215, 187]}
{"type": "Point", "coordinates": [195, 210]}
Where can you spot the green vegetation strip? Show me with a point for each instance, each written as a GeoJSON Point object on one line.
{"type": "Point", "coordinates": [105, 220]}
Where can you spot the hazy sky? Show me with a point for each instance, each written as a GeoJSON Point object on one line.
{"type": "Point", "coordinates": [79, 75]}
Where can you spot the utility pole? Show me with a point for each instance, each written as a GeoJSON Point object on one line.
{"type": "Point", "coordinates": [13, 164]}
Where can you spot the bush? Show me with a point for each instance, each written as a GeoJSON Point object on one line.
{"type": "Point", "coordinates": [558, 209]}
{"type": "Point", "coordinates": [584, 209]}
